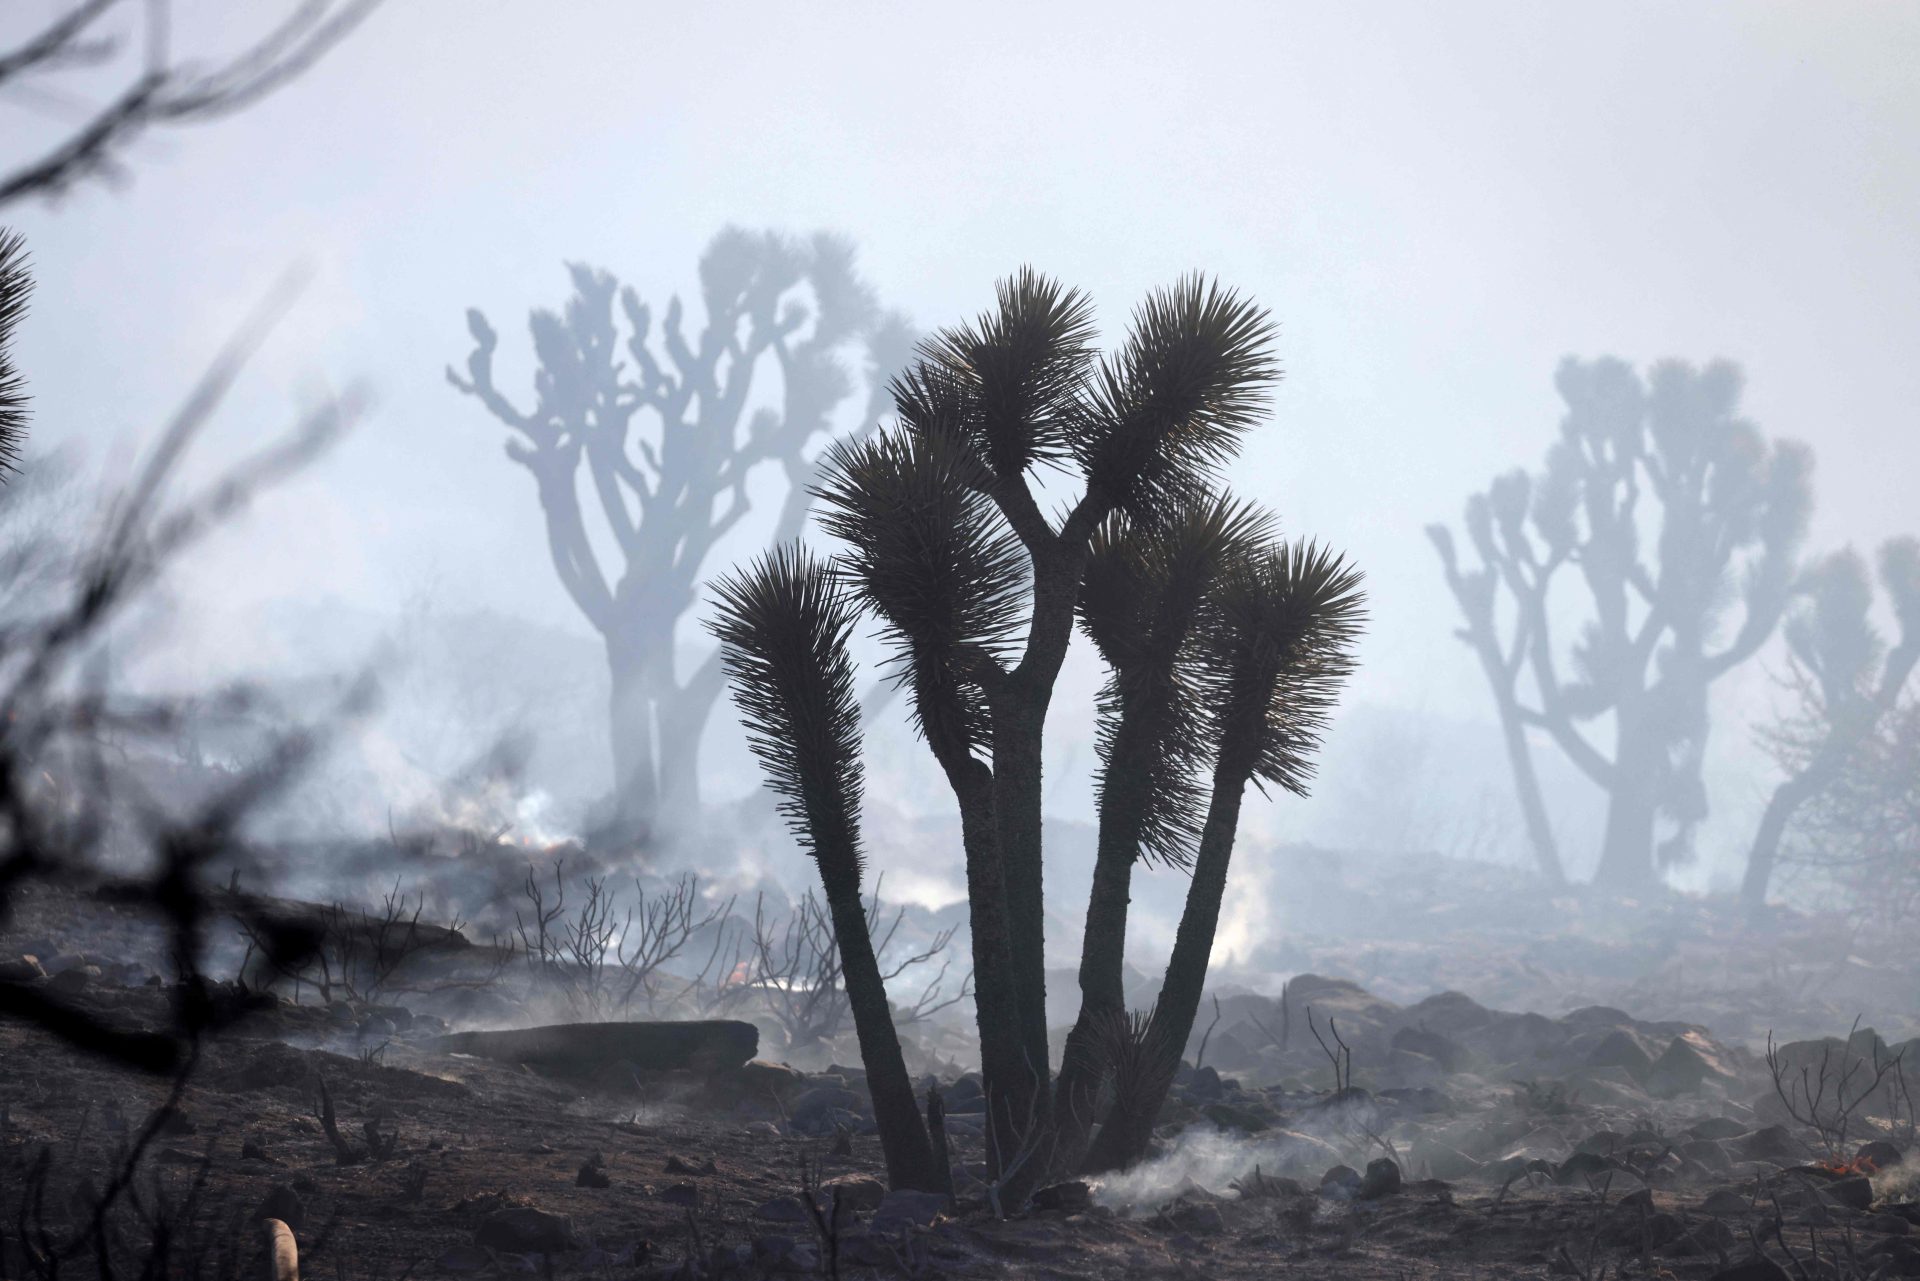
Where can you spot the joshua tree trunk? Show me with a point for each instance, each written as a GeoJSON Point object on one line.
{"type": "Point", "coordinates": [1123, 1139]}
{"type": "Point", "coordinates": [1786, 798]}
{"type": "Point", "coordinates": [635, 796]}
{"type": "Point", "coordinates": [1626, 849]}
{"type": "Point", "coordinates": [903, 1135]}
{"type": "Point", "coordinates": [996, 993]}
{"type": "Point", "coordinates": [1103, 997]}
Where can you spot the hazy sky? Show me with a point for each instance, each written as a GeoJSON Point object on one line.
{"type": "Point", "coordinates": [1436, 201]}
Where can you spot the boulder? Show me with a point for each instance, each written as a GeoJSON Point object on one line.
{"type": "Point", "coordinates": [1688, 1063]}
{"type": "Point", "coordinates": [583, 1049]}
{"type": "Point", "coordinates": [521, 1229]}
{"type": "Point", "coordinates": [857, 1191]}
{"type": "Point", "coordinates": [1382, 1179]}
{"type": "Point", "coordinates": [903, 1208]}
{"type": "Point", "coordinates": [24, 968]}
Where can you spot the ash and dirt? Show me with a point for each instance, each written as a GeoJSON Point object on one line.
{"type": "Point", "coordinates": [1463, 1140]}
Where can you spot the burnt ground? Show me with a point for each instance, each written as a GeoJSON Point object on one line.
{"type": "Point", "coordinates": [1470, 1142]}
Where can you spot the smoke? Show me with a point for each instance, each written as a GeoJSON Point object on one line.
{"type": "Point", "coordinates": [1212, 1159]}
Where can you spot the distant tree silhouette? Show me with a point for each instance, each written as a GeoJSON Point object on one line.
{"type": "Point", "coordinates": [1846, 680]}
{"type": "Point", "coordinates": [1665, 507]}
{"type": "Point", "coordinates": [660, 427]}
{"type": "Point", "coordinates": [159, 89]}
{"type": "Point", "coordinates": [977, 592]}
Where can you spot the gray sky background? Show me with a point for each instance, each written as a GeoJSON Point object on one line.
{"type": "Point", "coordinates": [1436, 201]}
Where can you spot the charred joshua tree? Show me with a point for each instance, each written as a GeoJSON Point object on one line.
{"type": "Point", "coordinates": [977, 591]}
{"type": "Point", "coordinates": [1275, 643]}
{"type": "Point", "coordinates": [16, 287]}
{"type": "Point", "coordinates": [1846, 680]}
{"type": "Point", "coordinates": [665, 442]}
{"type": "Point", "coordinates": [1731, 511]}
{"type": "Point", "coordinates": [783, 625]}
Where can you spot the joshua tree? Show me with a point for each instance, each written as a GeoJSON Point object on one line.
{"type": "Point", "coordinates": [161, 90]}
{"type": "Point", "coordinates": [783, 627]}
{"type": "Point", "coordinates": [16, 286]}
{"type": "Point", "coordinates": [1274, 647]}
{"type": "Point", "coordinates": [1141, 605]}
{"type": "Point", "coordinates": [1847, 680]}
{"type": "Point", "coordinates": [668, 445]}
{"type": "Point", "coordinates": [1725, 516]}
{"type": "Point", "coordinates": [977, 592]}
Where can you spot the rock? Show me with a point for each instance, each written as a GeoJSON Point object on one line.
{"type": "Point", "coordinates": [761, 1129]}
{"type": "Point", "coordinates": [1755, 1269]}
{"type": "Point", "coordinates": [821, 1101]}
{"type": "Point", "coordinates": [1622, 1049]}
{"type": "Point", "coordinates": [675, 1165]}
{"type": "Point", "coordinates": [250, 1150]}
{"type": "Point", "coordinates": [1687, 1064]}
{"type": "Point", "coordinates": [1230, 1117]}
{"type": "Point", "coordinates": [1707, 1154]}
{"type": "Point", "coordinates": [1582, 1167]}
{"type": "Point", "coordinates": [965, 1087]}
{"type": "Point", "coordinates": [377, 1027]}
{"type": "Point", "coordinates": [70, 981]}
{"type": "Point", "coordinates": [1717, 1127]}
{"type": "Point", "coordinates": [1442, 1049]}
{"type": "Point", "coordinates": [282, 1203]}
{"type": "Point", "coordinates": [1727, 1203]}
{"type": "Point", "coordinates": [857, 1191]}
{"type": "Point", "coordinates": [581, 1049]}
{"type": "Point", "coordinates": [1340, 1180]}
{"type": "Point", "coordinates": [1202, 1084]}
{"type": "Point", "coordinates": [679, 1194]}
{"type": "Point", "coordinates": [774, 1252]}
{"type": "Point", "coordinates": [592, 1176]}
{"type": "Point", "coordinates": [783, 1209]}
{"type": "Point", "coordinates": [760, 1077]}
{"type": "Point", "coordinates": [1855, 1191]}
{"type": "Point", "coordinates": [903, 1208]}
{"type": "Point", "coordinates": [1201, 1218]}
{"type": "Point", "coordinates": [1382, 1179]}
{"type": "Point", "coordinates": [1886, 1225]}
{"type": "Point", "coordinates": [24, 968]}
{"type": "Point", "coordinates": [1774, 1143]}
{"type": "Point", "coordinates": [1063, 1198]}
{"type": "Point", "coordinates": [521, 1229]}
{"type": "Point", "coordinates": [1876, 1155]}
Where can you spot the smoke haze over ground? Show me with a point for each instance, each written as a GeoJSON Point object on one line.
{"type": "Point", "coordinates": [1436, 204]}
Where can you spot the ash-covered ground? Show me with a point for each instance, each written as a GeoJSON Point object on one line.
{"type": "Point", "coordinates": [1505, 1087]}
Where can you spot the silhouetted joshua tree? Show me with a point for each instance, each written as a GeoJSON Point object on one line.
{"type": "Point", "coordinates": [16, 287]}
{"type": "Point", "coordinates": [668, 445]}
{"type": "Point", "coordinates": [1275, 644]}
{"type": "Point", "coordinates": [1666, 507]}
{"type": "Point", "coordinates": [977, 592]}
{"type": "Point", "coordinates": [1847, 681]}
{"type": "Point", "coordinates": [1141, 605]}
{"type": "Point", "coordinates": [783, 626]}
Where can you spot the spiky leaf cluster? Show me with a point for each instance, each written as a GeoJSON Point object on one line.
{"type": "Point", "coordinates": [782, 624]}
{"type": "Point", "coordinates": [1285, 623]}
{"type": "Point", "coordinates": [1010, 383]}
{"type": "Point", "coordinates": [1171, 406]}
{"type": "Point", "coordinates": [928, 551]}
{"type": "Point", "coordinates": [15, 286]}
{"type": "Point", "coordinates": [1143, 603]}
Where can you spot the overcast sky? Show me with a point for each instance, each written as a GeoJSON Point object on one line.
{"type": "Point", "coordinates": [1436, 201]}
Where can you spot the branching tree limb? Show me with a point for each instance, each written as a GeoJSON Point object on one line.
{"type": "Point", "coordinates": [158, 90]}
